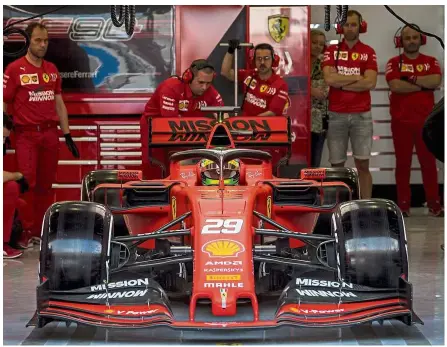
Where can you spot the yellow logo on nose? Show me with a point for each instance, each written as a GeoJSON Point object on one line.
{"type": "Point", "coordinates": [223, 248]}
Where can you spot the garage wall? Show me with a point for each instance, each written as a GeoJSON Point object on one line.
{"type": "Point", "coordinates": [382, 26]}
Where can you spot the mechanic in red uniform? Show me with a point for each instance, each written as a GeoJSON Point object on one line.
{"type": "Point", "coordinates": [412, 77]}
{"type": "Point", "coordinates": [180, 97]}
{"type": "Point", "coordinates": [266, 93]}
{"type": "Point", "coordinates": [350, 69]}
{"type": "Point", "coordinates": [14, 183]}
{"type": "Point", "coordinates": [32, 88]}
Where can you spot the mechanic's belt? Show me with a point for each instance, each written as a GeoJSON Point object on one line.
{"type": "Point", "coordinates": [36, 127]}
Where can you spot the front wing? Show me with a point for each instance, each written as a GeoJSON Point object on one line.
{"type": "Point", "coordinates": [300, 306]}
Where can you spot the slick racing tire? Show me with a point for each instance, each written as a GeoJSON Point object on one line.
{"type": "Point", "coordinates": [75, 245]}
{"type": "Point", "coordinates": [111, 198]}
{"type": "Point", "coordinates": [371, 244]}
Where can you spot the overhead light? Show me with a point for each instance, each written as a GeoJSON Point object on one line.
{"type": "Point", "coordinates": [333, 42]}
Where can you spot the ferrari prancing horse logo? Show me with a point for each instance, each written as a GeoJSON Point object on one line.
{"type": "Point", "coordinates": [355, 56]}
{"type": "Point", "coordinates": [278, 25]}
{"type": "Point", "coordinates": [46, 78]}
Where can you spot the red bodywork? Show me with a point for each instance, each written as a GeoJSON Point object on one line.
{"type": "Point", "coordinates": [222, 225]}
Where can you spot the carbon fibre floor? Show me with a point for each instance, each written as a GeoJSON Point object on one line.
{"type": "Point", "coordinates": [425, 234]}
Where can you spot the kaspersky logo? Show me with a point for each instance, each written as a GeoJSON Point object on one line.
{"type": "Point", "coordinates": [223, 248]}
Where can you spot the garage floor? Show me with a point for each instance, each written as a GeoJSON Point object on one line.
{"type": "Point", "coordinates": [425, 235]}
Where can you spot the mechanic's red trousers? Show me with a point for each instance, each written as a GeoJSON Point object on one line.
{"type": "Point", "coordinates": [10, 203]}
{"type": "Point", "coordinates": [405, 137]}
{"type": "Point", "coordinates": [37, 154]}
{"type": "Point", "coordinates": [144, 138]}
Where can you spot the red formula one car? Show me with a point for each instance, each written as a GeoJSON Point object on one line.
{"type": "Point", "coordinates": [222, 242]}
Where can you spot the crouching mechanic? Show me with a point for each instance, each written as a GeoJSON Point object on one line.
{"type": "Point", "coordinates": [180, 97]}
{"type": "Point", "coordinates": [265, 92]}
{"type": "Point", "coordinates": [32, 86]}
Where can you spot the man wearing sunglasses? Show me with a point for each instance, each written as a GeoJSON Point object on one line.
{"type": "Point", "coordinates": [265, 92]}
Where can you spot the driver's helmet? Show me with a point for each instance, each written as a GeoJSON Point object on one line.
{"type": "Point", "coordinates": [210, 172]}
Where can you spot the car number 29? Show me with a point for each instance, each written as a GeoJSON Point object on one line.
{"type": "Point", "coordinates": [222, 226]}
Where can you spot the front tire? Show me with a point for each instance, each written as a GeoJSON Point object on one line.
{"type": "Point", "coordinates": [75, 245]}
{"type": "Point", "coordinates": [371, 244]}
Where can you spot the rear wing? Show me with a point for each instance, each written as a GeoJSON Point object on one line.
{"type": "Point", "coordinates": [194, 131]}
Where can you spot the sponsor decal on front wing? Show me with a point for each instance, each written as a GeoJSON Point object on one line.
{"type": "Point", "coordinates": [321, 283]}
{"type": "Point", "coordinates": [130, 312]}
{"type": "Point", "coordinates": [121, 284]}
{"type": "Point", "coordinates": [325, 293]}
{"type": "Point", "coordinates": [313, 311]}
{"type": "Point", "coordinates": [118, 295]}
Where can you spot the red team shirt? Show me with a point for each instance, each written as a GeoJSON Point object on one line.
{"type": "Point", "coordinates": [354, 61]}
{"type": "Point", "coordinates": [415, 106]}
{"type": "Point", "coordinates": [262, 96]}
{"type": "Point", "coordinates": [174, 98]}
{"type": "Point", "coordinates": [31, 91]}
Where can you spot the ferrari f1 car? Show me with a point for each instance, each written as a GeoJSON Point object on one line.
{"type": "Point", "coordinates": [221, 241]}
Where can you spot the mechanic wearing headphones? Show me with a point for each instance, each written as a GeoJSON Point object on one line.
{"type": "Point", "coordinates": [266, 93]}
{"type": "Point", "coordinates": [180, 97]}
{"type": "Point", "coordinates": [350, 69]}
{"type": "Point", "coordinates": [413, 77]}
{"type": "Point", "coordinates": [32, 87]}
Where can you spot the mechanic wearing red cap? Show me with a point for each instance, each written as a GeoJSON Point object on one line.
{"type": "Point", "coordinates": [32, 87]}
{"type": "Point", "coordinates": [350, 69]}
{"type": "Point", "coordinates": [180, 97]}
{"type": "Point", "coordinates": [412, 77]}
{"type": "Point", "coordinates": [266, 93]}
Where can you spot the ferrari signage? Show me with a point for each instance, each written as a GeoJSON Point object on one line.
{"type": "Point", "coordinates": [223, 296]}
{"type": "Point", "coordinates": [278, 25]}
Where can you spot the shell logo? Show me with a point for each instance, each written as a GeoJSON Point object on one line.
{"type": "Point", "coordinates": [25, 79]}
{"type": "Point", "coordinates": [223, 248]}
{"type": "Point", "coordinates": [109, 311]}
{"type": "Point", "coordinates": [183, 105]}
{"type": "Point", "coordinates": [294, 309]}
